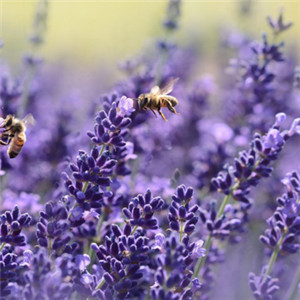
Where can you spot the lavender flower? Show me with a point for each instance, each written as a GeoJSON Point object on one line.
{"type": "Point", "coordinates": [182, 217]}
{"type": "Point", "coordinates": [90, 173]}
{"type": "Point", "coordinates": [121, 259]}
{"type": "Point", "coordinates": [257, 95]}
{"type": "Point", "coordinates": [108, 127]}
{"type": "Point", "coordinates": [277, 25]}
{"type": "Point", "coordinates": [141, 209]}
{"type": "Point", "coordinates": [173, 277]}
{"type": "Point", "coordinates": [263, 288]}
{"type": "Point", "coordinates": [90, 231]}
{"type": "Point", "coordinates": [219, 227]}
{"type": "Point", "coordinates": [8, 266]}
{"type": "Point", "coordinates": [173, 14]}
{"type": "Point", "coordinates": [52, 227]}
{"type": "Point", "coordinates": [253, 165]}
{"type": "Point", "coordinates": [44, 280]}
{"type": "Point", "coordinates": [282, 237]}
{"type": "Point", "coordinates": [12, 223]}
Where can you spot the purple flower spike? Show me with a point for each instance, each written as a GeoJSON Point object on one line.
{"type": "Point", "coordinates": [141, 209]}
{"type": "Point", "coordinates": [277, 25]}
{"type": "Point", "coordinates": [11, 225]}
{"type": "Point", "coordinates": [263, 288]}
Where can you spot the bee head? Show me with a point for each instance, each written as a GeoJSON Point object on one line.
{"type": "Point", "coordinates": [17, 127]}
{"type": "Point", "coordinates": [8, 120]}
{"type": "Point", "coordinates": [143, 101]}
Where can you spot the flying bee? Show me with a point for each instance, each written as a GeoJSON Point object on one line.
{"type": "Point", "coordinates": [158, 98]}
{"type": "Point", "coordinates": [12, 133]}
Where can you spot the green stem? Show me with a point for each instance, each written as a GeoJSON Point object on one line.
{"type": "Point", "coordinates": [2, 246]}
{"type": "Point", "coordinates": [223, 205]}
{"type": "Point", "coordinates": [102, 150]}
{"type": "Point", "coordinates": [100, 284]}
{"type": "Point", "coordinates": [134, 229]}
{"type": "Point", "coordinates": [181, 231]}
{"type": "Point", "coordinates": [294, 286]}
{"type": "Point", "coordinates": [202, 259]}
{"type": "Point", "coordinates": [136, 226]}
{"type": "Point", "coordinates": [85, 186]}
{"type": "Point", "coordinates": [274, 256]}
{"type": "Point", "coordinates": [208, 242]}
{"type": "Point", "coordinates": [49, 247]}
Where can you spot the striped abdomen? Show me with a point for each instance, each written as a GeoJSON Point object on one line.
{"type": "Point", "coordinates": [168, 98]}
{"type": "Point", "coordinates": [16, 145]}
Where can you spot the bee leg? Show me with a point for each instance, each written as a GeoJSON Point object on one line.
{"type": "Point", "coordinates": [153, 112]}
{"type": "Point", "coordinates": [162, 115]}
{"type": "Point", "coordinates": [5, 143]}
{"type": "Point", "coordinates": [171, 108]}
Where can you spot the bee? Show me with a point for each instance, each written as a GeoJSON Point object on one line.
{"type": "Point", "coordinates": [158, 98]}
{"type": "Point", "coordinates": [12, 133]}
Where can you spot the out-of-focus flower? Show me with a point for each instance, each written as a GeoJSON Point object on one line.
{"type": "Point", "coordinates": [222, 132]}
{"type": "Point", "coordinates": [82, 261]}
{"type": "Point", "coordinates": [277, 25]}
{"type": "Point", "coordinates": [126, 105]}
{"type": "Point", "coordinates": [173, 14]}
{"type": "Point", "coordinates": [297, 77]}
{"type": "Point", "coordinates": [263, 288]}
{"type": "Point", "coordinates": [25, 201]}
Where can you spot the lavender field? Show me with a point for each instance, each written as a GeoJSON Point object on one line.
{"type": "Point", "coordinates": [173, 174]}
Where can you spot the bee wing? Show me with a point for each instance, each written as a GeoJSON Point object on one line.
{"type": "Point", "coordinates": [168, 87]}
{"type": "Point", "coordinates": [29, 120]}
{"type": "Point", "coordinates": [155, 90]}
